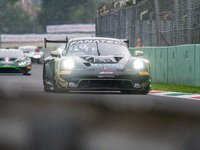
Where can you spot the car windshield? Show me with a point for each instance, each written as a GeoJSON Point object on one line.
{"type": "Point", "coordinates": [97, 49]}
{"type": "Point", "coordinates": [28, 50]}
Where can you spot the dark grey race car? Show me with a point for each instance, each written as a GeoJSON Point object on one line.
{"type": "Point", "coordinates": [14, 61]}
{"type": "Point", "coordinates": [94, 63]}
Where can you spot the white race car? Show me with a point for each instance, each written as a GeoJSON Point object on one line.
{"type": "Point", "coordinates": [34, 53]}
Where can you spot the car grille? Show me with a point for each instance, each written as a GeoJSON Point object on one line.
{"type": "Point", "coordinates": [105, 84]}
{"type": "Point", "coordinates": [13, 59]}
{"type": "Point", "coordinates": [10, 70]}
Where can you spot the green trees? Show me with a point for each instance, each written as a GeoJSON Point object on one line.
{"type": "Point", "coordinates": [68, 11]}
{"type": "Point", "coordinates": [14, 20]}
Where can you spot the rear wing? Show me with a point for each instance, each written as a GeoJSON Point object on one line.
{"type": "Point", "coordinates": [54, 41]}
{"type": "Point", "coordinates": [126, 41]}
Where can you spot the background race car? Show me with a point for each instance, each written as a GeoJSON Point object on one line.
{"type": "Point", "coordinates": [95, 63]}
{"type": "Point", "coordinates": [34, 53]}
{"type": "Point", "coordinates": [14, 61]}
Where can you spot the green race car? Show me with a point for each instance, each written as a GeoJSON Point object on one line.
{"type": "Point", "coordinates": [14, 61]}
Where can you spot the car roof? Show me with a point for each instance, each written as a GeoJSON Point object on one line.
{"type": "Point", "coordinates": [28, 46]}
{"type": "Point", "coordinates": [11, 50]}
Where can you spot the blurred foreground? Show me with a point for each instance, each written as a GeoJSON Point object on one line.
{"type": "Point", "coordinates": [31, 119]}
{"type": "Point", "coordinates": [36, 122]}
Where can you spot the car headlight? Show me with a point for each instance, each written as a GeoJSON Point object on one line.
{"type": "Point", "coordinates": [68, 63]}
{"type": "Point", "coordinates": [36, 56]}
{"type": "Point", "coordinates": [23, 63]}
{"type": "Point", "coordinates": [138, 64]}
{"type": "Point", "coordinates": [29, 62]}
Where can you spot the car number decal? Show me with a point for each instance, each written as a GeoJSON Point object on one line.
{"type": "Point", "coordinates": [106, 74]}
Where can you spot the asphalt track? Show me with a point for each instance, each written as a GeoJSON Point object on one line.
{"type": "Point", "coordinates": [33, 119]}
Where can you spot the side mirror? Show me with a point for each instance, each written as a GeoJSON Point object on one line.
{"type": "Point", "coordinates": [55, 54]}
{"type": "Point", "coordinates": [139, 53]}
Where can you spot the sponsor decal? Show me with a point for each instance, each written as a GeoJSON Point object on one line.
{"type": "Point", "coordinates": [71, 84]}
{"type": "Point", "coordinates": [106, 75]}
{"type": "Point", "coordinates": [71, 28]}
{"type": "Point", "coordinates": [94, 41]}
{"type": "Point", "coordinates": [137, 85]}
{"type": "Point", "coordinates": [40, 37]}
{"type": "Point", "coordinates": [144, 73]}
{"type": "Point", "coordinates": [107, 66]}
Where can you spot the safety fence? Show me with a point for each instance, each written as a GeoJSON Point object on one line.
{"type": "Point", "coordinates": [174, 64]}
{"type": "Point", "coordinates": [151, 22]}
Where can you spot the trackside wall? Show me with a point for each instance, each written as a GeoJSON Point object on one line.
{"type": "Point", "coordinates": [173, 65]}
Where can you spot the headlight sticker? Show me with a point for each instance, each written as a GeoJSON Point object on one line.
{"type": "Point", "coordinates": [28, 67]}
{"type": "Point", "coordinates": [65, 72]}
{"type": "Point", "coordinates": [144, 73]}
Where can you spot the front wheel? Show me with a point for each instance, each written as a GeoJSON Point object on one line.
{"type": "Point", "coordinates": [27, 73]}
{"type": "Point", "coordinates": [58, 88]}
{"type": "Point", "coordinates": [135, 92]}
{"type": "Point", "coordinates": [47, 87]}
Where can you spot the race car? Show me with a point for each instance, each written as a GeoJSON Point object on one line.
{"type": "Point", "coordinates": [96, 63]}
{"type": "Point", "coordinates": [34, 53]}
{"type": "Point", "coordinates": [14, 61]}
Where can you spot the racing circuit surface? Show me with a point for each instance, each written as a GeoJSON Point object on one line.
{"type": "Point", "coordinates": [36, 120]}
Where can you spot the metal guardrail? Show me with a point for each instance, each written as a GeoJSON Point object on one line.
{"type": "Point", "coordinates": [173, 64]}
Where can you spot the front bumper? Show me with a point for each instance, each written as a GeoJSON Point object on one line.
{"type": "Point", "coordinates": [36, 58]}
{"type": "Point", "coordinates": [14, 69]}
{"type": "Point", "coordinates": [109, 82]}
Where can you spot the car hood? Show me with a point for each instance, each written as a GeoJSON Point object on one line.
{"type": "Point", "coordinates": [32, 53]}
{"type": "Point", "coordinates": [102, 62]}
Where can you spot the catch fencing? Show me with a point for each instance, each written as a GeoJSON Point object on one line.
{"type": "Point", "coordinates": [151, 22]}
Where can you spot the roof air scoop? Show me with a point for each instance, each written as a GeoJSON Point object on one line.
{"type": "Point", "coordinates": [118, 58]}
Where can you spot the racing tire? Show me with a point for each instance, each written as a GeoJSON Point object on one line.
{"type": "Point", "coordinates": [47, 88]}
{"type": "Point", "coordinates": [144, 92]}
{"type": "Point", "coordinates": [57, 88]}
{"type": "Point", "coordinates": [125, 92]}
{"type": "Point", "coordinates": [135, 92]}
{"type": "Point", "coordinates": [26, 74]}
{"type": "Point", "coordinates": [40, 61]}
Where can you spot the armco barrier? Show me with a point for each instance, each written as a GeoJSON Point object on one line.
{"type": "Point", "coordinates": [173, 65]}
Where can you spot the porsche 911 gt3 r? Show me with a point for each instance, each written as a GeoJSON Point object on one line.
{"type": "Point", "coordinates": [96, 63]}
{"type": "Point", "coordinates": [14, 61]}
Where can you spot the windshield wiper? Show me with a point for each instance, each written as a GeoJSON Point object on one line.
{"type": "Point", "coordinates": [98, 49]}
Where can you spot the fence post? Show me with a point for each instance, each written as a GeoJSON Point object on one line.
{"type": "Point", "coordinates": [176, 23]}
{"type": "Point", "coordinates": [189, 22]}
{"type": "Point", "coordinates": [158, 28]}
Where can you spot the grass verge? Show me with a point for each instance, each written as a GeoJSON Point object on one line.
{"type": "Point", "coordinates": [175, 88]}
